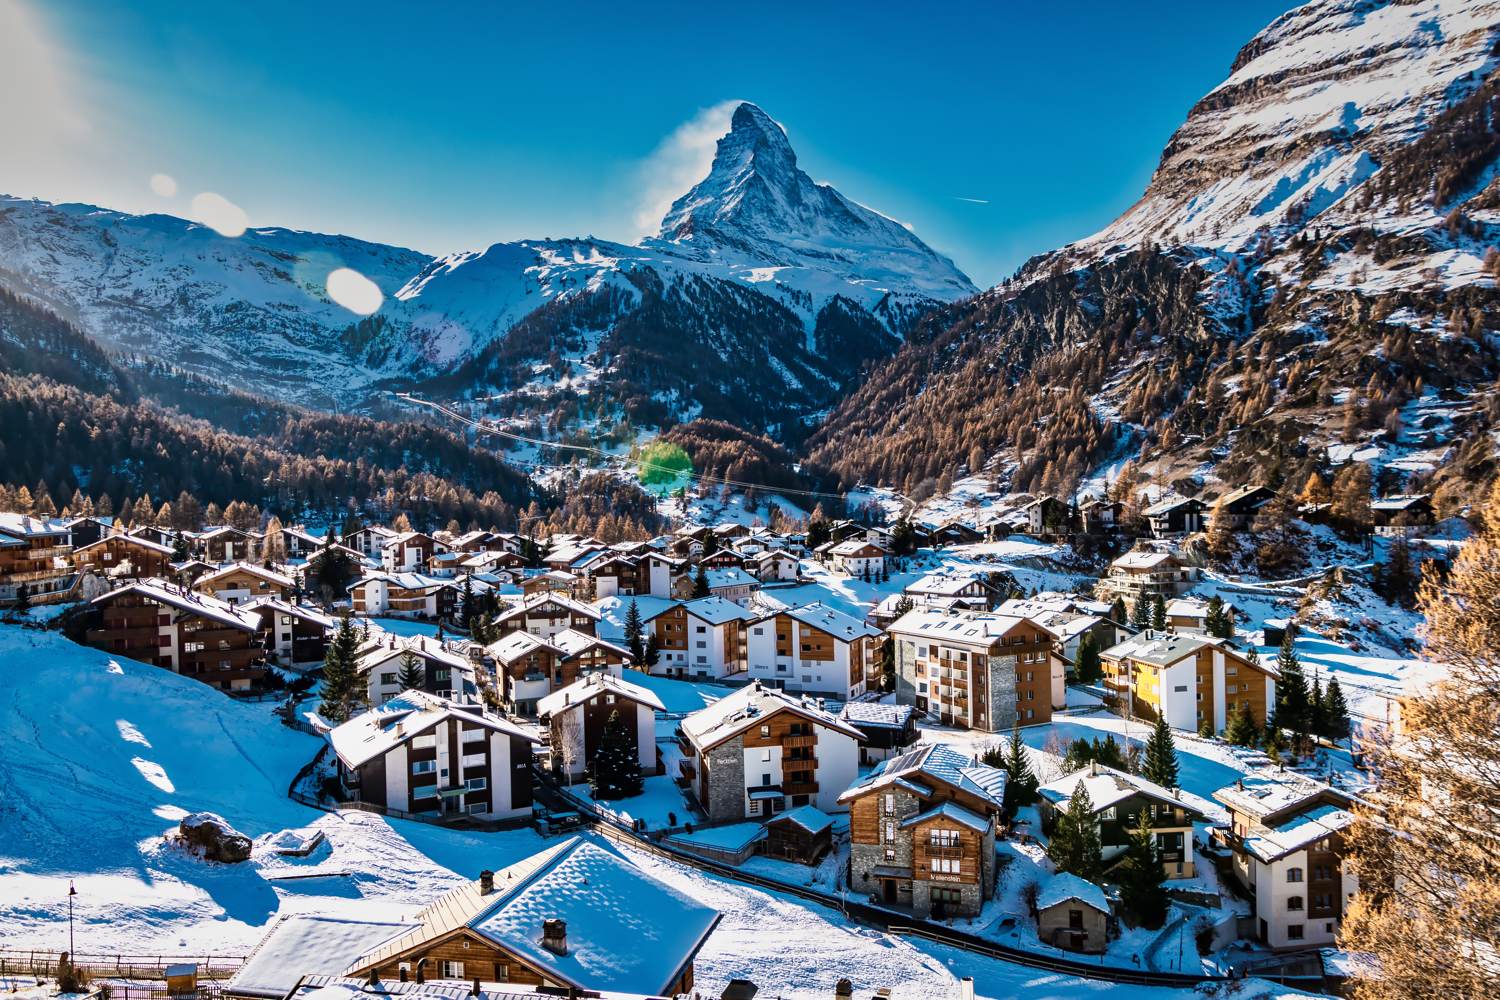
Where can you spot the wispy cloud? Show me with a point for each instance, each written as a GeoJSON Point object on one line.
{"type": "Point", "coordinates": [971, 201]}
{"type": "Point", "coordinates": [680, 161]}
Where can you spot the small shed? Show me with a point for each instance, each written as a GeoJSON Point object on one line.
{"type": "Point", "coordinates": [802, 835]}
{"type": "Point", "coordinates": [1073, 914]}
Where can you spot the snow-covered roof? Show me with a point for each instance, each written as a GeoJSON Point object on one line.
{"type": "Point", "coordinates": [944, 584]}
{"type": "Point", "coordinates": [950, 810]}
{"type": "Point", "coordinates": [1065, 887]}
{"type": "Point", "coordinates": [1168, 505]}
{"type": "Point", "coordinates": [551, 597]}
{"type": "Point", "coordinates": [571, 642]}
{"type": "Point", "coordinates": [287, 608]}
{"type": "Point", "coordinates": [717, 611]}
{"type": "Point", "coordinates": [830, 620]}
{"type": "Point", "coordinates": [1144, 559]}
{"type": "Point", "coordinates": [737, 712]}
{"type": "Point", "coordinates": [270, 576]}
{"type": "Point", "coordinates": [300, 944]}
{"type": "Point", "coordinates": [1270, 790]}
{"type": "Point", "coordinates": [917, 769]}
{"type": "Point", "coordinates": [204, 605]}
{"type": "Point", "coordinates": [593, 685]}
{"type": "Point", "coordinates": [409, 714]}
{"type": "Point", "coordinates": [1298, 832]}
{"type": "Point", "coordinates": [877, 713]}
{"type": "Point", "coordinates": [384, 646]}
{"type": "Point", "coordinates": [729, 576]}
{"type": "Point", "coordinates": [1066, 625]}
{"type": "Point", "coordinates": [517, 644]}
{"type": "Point", "coordinates": [809, 817]}
{"type": "Point", "coordinates": [1159, 648]}
{"type": "Point", "coordinates": [972, 627]}
{"type": "Point", "coordinates": [226, 529]}
{"type": "Point", "coordinates": [1404, 501]}
{"type": "Point", "coordinates": [625, 929]}
{"type": "Point", "coordinates": [26, 526]}
{"type": "Point", "coordinates": [1108, 787]}
{"type": "Point", "coordinates": [135, 540]}
{"type": "Point", "coordinates": [406, 581]}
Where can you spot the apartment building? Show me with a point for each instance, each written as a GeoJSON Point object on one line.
{"type": "Point", "coordinates": [575, 717]}
{"type": "Point", "coordinates": [192, 634]}
{"type": "Point", "coordinates": [1186, 678]}
{"type": "Point", "coordinates": [33, 560]}
{"type": "Point", "coordinates": [815, 649]}
{"type": "Point", "coordinates": [975, 669]}
{"type": "Point", "coordinates": [1118, 800]}
{"type": "Point", "coordinates": [1146, 573]}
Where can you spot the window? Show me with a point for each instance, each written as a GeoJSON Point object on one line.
{"type": "Point", "coordinates": [1294, 874]}
{"type": "Point", "coordinates": [943, 838]}
{"type": "Point", "coordinates": [701, 629]}
{"type": "Point", "coordinates": [888, 802]}
{"type": "Point", "coordinates": [765, 732]}
{"type": "Point", "coordinates": [765, 755]}
{"type": "Point", "coordinates": [1294, 932]}
{"type": "Point", "coordinates": [477, 807]}
{"type": "Point", "coordinates": [423, 766]}
{"type": "Point", "coordinates": [1180, 689]}
{"type": "Point", "coordinates": [888, 831]}
{"type": "Point", "coordinates": [1294, 903]}
{"type": "Point", "coordinates": [476, 784]}
{"type": "Point", "coordinates": [754, 809]}
{"type": "Point", "coordinates": [453, 970]}
{"type": "Point", "coordinates": [423, 743]}
{"type": "Point", "coordinates": [425, 792]}
{"type": "Point", "coordinates": [473, 735]}
{"type": "Point", "coordinates": [387, 678]}
{"type": "Point", "coordinates": [945, 866]}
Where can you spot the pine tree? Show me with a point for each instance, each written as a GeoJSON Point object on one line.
{"type": "Point", "coordinates": [1117, 612]}
{"type": "Point", "coordinates": [468, 609]}
{"type": "Point", "coordinates": [1021, 782]}
{"type": "Point", "coordinates": [1217, 620]}
{"type": "Point", "coordinates": [700, 583]}
{"type": "Point", "coordinates": [1086, 663]}
{"type": "Point", "coordinates": [1335, 712]}
{"type": "Point", "coordinates": [616, 770]}
{"type": "Point", "coordinates": [1142, 878]}
{"type": "Point", "coordinates": [1206, 728]}
{"type": "Point", "coordinates": [634, 640]}
{"type": "Point", "coordinates": [653, 651]}
{"type": "Point", "coordinates": [1242, 730]}
{"type": "Point", "coordinates": [1140, 613]}
{"type": "Point", "coordinates": [411, 676]}
{"type": "Point", "coordinates": [343, 690]}
{"type": "Point", "coordinates": [1074, 845]}
{"type": "Point", "coordinates": [1317, 709]}
{"type": "Point", "coordinates": [1159, 613]}
{"type": "Point", "coordinates": [1161, 755]}
{"type": "Point", "coordinates": [1293, 709]}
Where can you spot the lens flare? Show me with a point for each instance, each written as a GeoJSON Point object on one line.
{"type": "Point", "coordinates": [220, 214]}
{"type": "Point", "coordinates": [164, 185]}
{"type": "Point", "coordinates": [354, 291]}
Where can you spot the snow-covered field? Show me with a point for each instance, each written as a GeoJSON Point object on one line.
{"type": "Point", "coordinates": [99, 757]}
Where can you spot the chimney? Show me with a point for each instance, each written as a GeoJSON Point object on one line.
{"type": "Point", "coordinates": [844, 988]}
{"type": "Point", "coordinates": [555, 936]}
{"type": "Point", "coordinates": [966, 988]}
{"type": "Point", "coordinates": [1093, 768]}
{"type": "Point", "coordinates": [486, 882]}
{"type": "Point", "coordinates": [740, 989]}
{"type": "Point", "coordinates": [475, 991]}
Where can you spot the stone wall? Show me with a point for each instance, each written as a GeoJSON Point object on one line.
{"type": "Point", "coordinates": [726, 781]}
{"type": "Point", "coordinates": [1002, 692]}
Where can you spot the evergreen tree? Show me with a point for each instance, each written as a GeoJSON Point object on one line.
{"type": "Point", "coordinates": [1206, 728]}
{"type": "Point", "coordinates": [700, 583]}
{"type": "Point", "coordinates": [653, 651]}
{"type": "Point", "coordinates": [179, 548]}
{"type": "Point", "coordinates": [1086, 663]}
{"type": "Point", "coordinates": [468, 599]}
{"type": "Point", "coordinates": [1335, 712]}
{"type": "Point", "coordinates": [1317, 709]}
{"type": "Point", "coordinates": [343, 690]}
{"type": "Point", "coordinates": [1159, 613]}
{"type": "Point", "coordinates": [1140, 613]}
{"type": "Point", "coordinates": [1117, 612]}
{"type": "Point", "coordinates": [1242, 730]}
{"type": "Point", "coordinates": [1021, 782]}
{"type": "Point", "coordinates": [1273, 744]}
{"type": "Point", "coordinates": [1074, 845]}
{"type": "Point", "coordinates": [411, 676]}
{"type": "Point", "coordinates": [616, 770]}
{"type": "Point", "coordinates": [634, 634]}
{"type": "Point", "coordinates": [1161, 755]}
{"type": "Point", "coordinates": [1218, 620]}
{"type": "Point", "coordinates": [1142, 878]}
{"type": "Point", "coordinates": [1293, 708]}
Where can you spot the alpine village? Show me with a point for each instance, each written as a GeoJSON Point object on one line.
{"type": "Point", "coordinates": [761, 609]}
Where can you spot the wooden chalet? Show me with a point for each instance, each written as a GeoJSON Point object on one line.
{"type": "Point", "coordinates": [802, 835]}
{"type": "Point", "coordinates": [575, 716]}
{"type": "Point", "coordinates": [227, 544]}
{"type": "Point", "coordinates": [192, 634]}
{"type": "Point", "coordinates": [239, 582]}
{"type": "Point", "coordinates": [34, 560]}
{"type": "Point", "coordinates": [1118, 799]}
{"type": "Point", "coordinates": [124, 557]}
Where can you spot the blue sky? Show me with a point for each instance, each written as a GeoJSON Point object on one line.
{"type": "Point", "coordinates": [448, 126]}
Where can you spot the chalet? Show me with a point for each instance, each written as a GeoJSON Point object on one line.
{"type": "Point", "coordinates": [292, 634]}
{"type": "Point", "coordinates": [1187, 679]}
{"type": "Point", "coordinates": [953, 533]}
{"type": "Point", "coordinates": [723, 559]}
{"type": "Point", "coordinates": [1401, 516]}
{"type": "Point", "coordinates": [444, 673]}
{"type": "Point", "coordinates": [547, 614]}
{"type": "Point", "coordinates": [409, 552]}
{"type": "Point", "coordinates": [404, 595]}
{"type": "Point", "coordinates": [1241, 505]}
{"type": "Point", "coordinates": [87, 530]}
{"type": "Point", "coordinates": [888, 729]}
{"type": "Point", "coordinates": [973, 669]}
{"type": "Point", "coordinates": [842, 531]}
{"type": "Point", "coordinates": [298, 543]}
{"type": "Point", "coordinates": [775, 565]}
{"type": "Point", "coordinates": [188, 633]}
{"type": "Point", "coordinates": [33, 560]}
{"type": "Point", "coordinates": [1117, 800]}
{"type": "Point", "coordinates": [190, 571]}
{"type": "Point", "coordinates": [156, 533]}
{"type": "Point", "coordinates": [575, 717]}
{"type": "Point", "coordinates": [732, 584]}
{"type": "Point", "coordinates": [553, 581]}
{"type": "Point", "coordinates": [1174, 517]}
{"type": "Point", "coordinates": [1073, 914]}
{"type": "Point", "coordinates": [922, 831]}
{"type": "Point", "coordinates": [423, 755]}
{"type": "Point", "coordinates": [1048, 517]}
{"type": "Point", "coordinates": [1068, 629]}
{"type": "Point", "coordinates": [715, 641]}
{"type": "Point", "coordinates": [531, 924]}
{"type": "Point", "coordinates": [123, 557]}
{"type": "Point", "coordinates": [1100, 516]}
{"type": "Point", "coordinates": [815, 649]}
{"type": "Point", "coordinates": [529, 667]}
{"type": "Point", "coordinates": [803, 835]}
{"type": "Point", "coordinates": [489, 561]}
{"type": "Point", "coordinates": [227, 544]}
{"type": "Point", "coordinates": [446, 564]}
{"type": "Point", "coordinates": [1146, 573]}
{"type": "Point", "coordinates": [369, 541]}
{"type": "Point", "coordinates": [649, 574]}
{"type": "Point", "coordinates": [239, 582]}
{"type": "Point", "coordinates": [1190, 614]}
{"type": "Point", "coordinates": [729, 530]}
{"type": "Point", "coordinates": [854, 557]}
{"type": "Point", "coordinates": [943, 589]}
{"type": "Point", "coordinates": [759, 751]}
{"type": "Point", "coordinates": [1286, 836]}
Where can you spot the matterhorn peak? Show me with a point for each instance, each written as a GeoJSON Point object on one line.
{"type": "Point", "coordinates": [758, 207]}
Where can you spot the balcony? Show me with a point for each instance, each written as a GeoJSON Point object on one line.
{"type": "Point", "coordinates": [790, 740]}
{"type": "Point", "coordinates": [800, 787]}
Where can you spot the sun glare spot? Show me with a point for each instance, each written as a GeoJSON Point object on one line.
{"type": "Point", "coordinates": [220, 214]}
{"type": "Point", "coordinates": [354, 291]}
{"type": "Point", "coordinates": [164, 185]}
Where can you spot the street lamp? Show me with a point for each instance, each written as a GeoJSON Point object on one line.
{"type": "Point", "coordinates": [71, 893]}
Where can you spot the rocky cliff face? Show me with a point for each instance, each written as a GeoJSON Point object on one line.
{"type": "Point", "coordinates": [1308, 280]}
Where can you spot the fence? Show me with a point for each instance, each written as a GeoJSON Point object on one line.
{"type": "Point", "coordinates": [146, 968]}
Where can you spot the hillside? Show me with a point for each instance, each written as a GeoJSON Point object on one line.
{"type": "Point", "coordinates": [1308, 278]}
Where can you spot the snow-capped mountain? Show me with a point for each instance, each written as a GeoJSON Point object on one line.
{"type": "Point", "coordinates": [758, 274]}
{"type": "Point", "coordinates": [1309, 279]}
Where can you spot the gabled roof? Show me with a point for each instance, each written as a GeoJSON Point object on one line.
{"type": "Point", "coordinates": [749, 706]}
{"type": "Point", "coordinates": [271, 576]}
{"type": "Point", "coordinates": [950, 810]}
{"type": "Point", "coordinates": [1065, 625]}
{"type": "Point", "coordinates": [1298, 832]}
{"type": "Point", "coordinates": [512, 647]}
{"type": "Point", "coordinates": [144, 543]}
{"type": "Point", "coordinates": [877, 713]}
{"type": "Point", "coordinates": [809, 817]}
{"type": "Point", "coordinates": [1107, 787]}
{"type": "Point", "coordinates": [226, 529]}
{"type": "Point", "coordinates": [550, 597]}
{"type": "Point", "coordinates": [1270, 791]}
{"type": "Point", "coordinates": [922, 769]}
{"type": "Point", "coordinates": [830, 620]}
{"type": "Point", "coordinates": [192, 602]}
{"type": "Point", "coordinates": [1066, 887]}
{"type": "Point", "coordinates": [26, 526]}
{"type": "Point", "coordinates": [717, 611]}
{"type": "Point", "coordinates": [626, 930]}
{"type": "Point", "coordinates": [1170, 504]}
{"type": "Point", "coordinates": [729, 576]}
{"type": "Point", "coordinates": [280, 606]}
{"type": "Point", "coordinates": [300, 944]}
{"type": "Point", "coordinates": [383, 646]}
{"type": "Point", "coordinates": [571, 642]}
{"type": "Point", "coordinates": [407, 581]}
{"type": "Point", "coordinates": [851, 546]}
{"type": "Point", "coordinates": [946, 584]}
{"type": "Point", "coordinates": [592, 686]}
{"type": "Point", "coordinates": [1403, 501]}
{"type": "Point", "coordinates": [405, 717]}
{"type": "Point", "coordinates": [1144, 559]}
